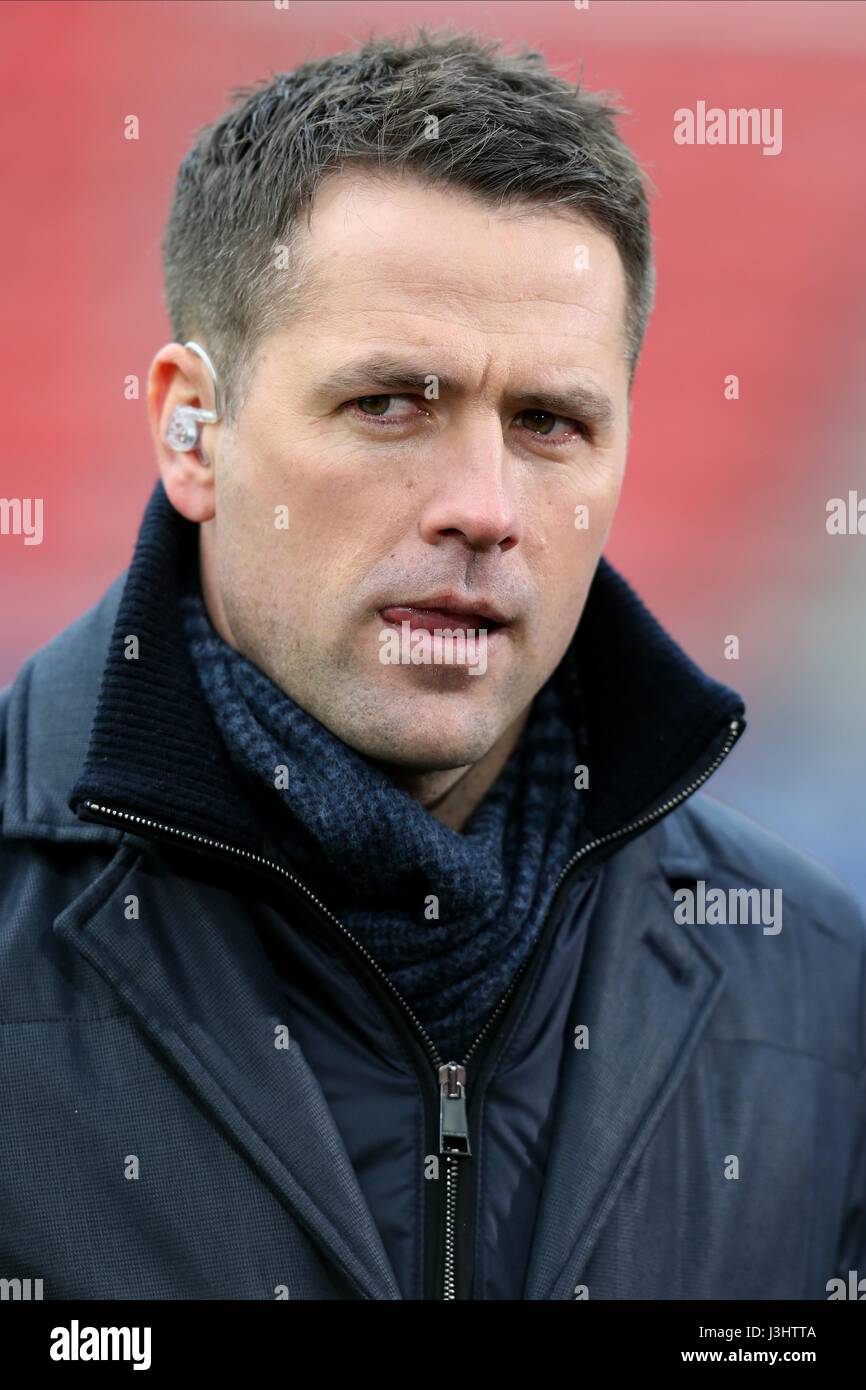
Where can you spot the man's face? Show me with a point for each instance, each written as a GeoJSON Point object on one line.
{"type": "Point", "coordinates": [401, 499]}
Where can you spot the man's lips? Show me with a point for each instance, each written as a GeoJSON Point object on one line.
{"type": "Point", "coordinates": [446, 609]}
{"type": "Point", "coordinates": [437, 619]}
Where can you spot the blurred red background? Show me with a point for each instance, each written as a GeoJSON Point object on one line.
{"type": "Point", "coordinates": [761, 273]}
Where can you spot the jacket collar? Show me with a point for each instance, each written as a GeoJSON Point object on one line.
{"type": "Point", "coordinates": [152, 749]}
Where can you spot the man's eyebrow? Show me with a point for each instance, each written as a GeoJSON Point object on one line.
{"type": "Point", "coordinates": [387, 372]}
{"type": "Point", "coordinates": [380, 374]}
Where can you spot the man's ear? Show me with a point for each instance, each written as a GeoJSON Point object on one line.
{"type": "Point", "coordinates": [178, 377]}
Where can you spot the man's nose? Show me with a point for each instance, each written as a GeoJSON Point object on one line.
{"type": "Point", "coordinates": [475, 497]}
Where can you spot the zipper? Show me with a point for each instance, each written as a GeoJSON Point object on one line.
{"type": "Point", "coordinates": [454, 1142]}
{"type": "Point", "coordinates": [451, 1077]}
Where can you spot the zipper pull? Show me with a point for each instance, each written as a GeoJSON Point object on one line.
{"type": "Point", "coordinates": [453, 1126]}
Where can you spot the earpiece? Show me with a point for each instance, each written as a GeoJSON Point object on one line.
{"type": "Point", "coordinates": [184, 427]}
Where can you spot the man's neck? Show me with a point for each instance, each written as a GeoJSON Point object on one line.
{"type": "Point", "coordinates": [451, 795]}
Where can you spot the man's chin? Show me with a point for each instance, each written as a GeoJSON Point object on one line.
{"type": "Point", "coordinates": [423, 744]}
{"type": "Point", "coordinates": [425, 754]}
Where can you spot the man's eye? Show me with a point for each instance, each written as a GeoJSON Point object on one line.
{"type": "Point", "coordinates": [543, 421]}
{"type": "Point", "coordinates": [375, 406]}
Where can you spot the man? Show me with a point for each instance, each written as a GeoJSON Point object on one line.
{"type": "Point", "coordinates": [366, 931]}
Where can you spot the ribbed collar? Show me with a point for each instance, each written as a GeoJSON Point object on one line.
{"type": "Point", "coordinates": [651, 713]}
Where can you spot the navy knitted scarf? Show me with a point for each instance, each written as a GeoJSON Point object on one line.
{"type": "Point", "coordinates": [449, 916]}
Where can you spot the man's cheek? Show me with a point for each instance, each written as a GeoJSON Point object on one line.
{"type": "Point", "coordinates": [590, 525]}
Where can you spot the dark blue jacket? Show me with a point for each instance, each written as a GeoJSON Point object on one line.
{"type": "Point", "coordinates": [207, 1090]}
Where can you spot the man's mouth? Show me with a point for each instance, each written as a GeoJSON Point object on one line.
{"type": "Point", "coordinates": [439, 619]}
{"type": "Point", "coordinates": [440, 611]}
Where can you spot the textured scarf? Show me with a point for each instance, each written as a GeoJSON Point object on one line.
{"type": "Point", "coordinates": [449, 916]}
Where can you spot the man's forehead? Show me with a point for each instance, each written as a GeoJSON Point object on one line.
{"type": "Point", "coordinates": [405, 332]}
{"type": "Point", "coordinates": [402, 239]}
